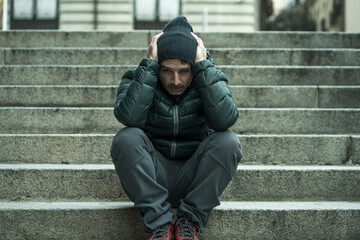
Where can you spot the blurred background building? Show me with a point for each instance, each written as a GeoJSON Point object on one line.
{"type": "Point", "coordinates": [214, 15]}
{"type": "Point", "coordinates": [334, 15]}
{"type": "Point", "coordinates": [210, 15]}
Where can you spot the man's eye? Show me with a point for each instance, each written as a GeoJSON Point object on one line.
{"type": "Point", "coordinates": [165, 70]}
{"type": "Point", "coordinates": [184, 71]}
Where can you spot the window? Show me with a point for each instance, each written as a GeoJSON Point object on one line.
{"type": "Point", "coordinates": [34, 14]}
{"type": "Point", "coordinates": [154, 14]}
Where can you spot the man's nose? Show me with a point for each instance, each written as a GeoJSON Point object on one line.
{"type": "Point", "coordinates": [176, 79]}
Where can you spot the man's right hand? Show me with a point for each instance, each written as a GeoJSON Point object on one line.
{"type": "Point", "coordinates": [153, 49]}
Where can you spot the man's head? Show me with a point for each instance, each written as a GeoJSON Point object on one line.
{"type": "Point", "coordinates": [177, 42]}
{"type": "Point", "coordinates": [176, 52]}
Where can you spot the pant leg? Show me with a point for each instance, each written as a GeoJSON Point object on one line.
{"type": "Point", "coordinates": [135, 163]}
{"type": "Point", "coordinates": [211, 168]}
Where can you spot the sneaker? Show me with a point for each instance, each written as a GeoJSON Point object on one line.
{"type": "Point", "coordinates": [185, 230]}
{"type": "Point", "coordinates": [164, 232]}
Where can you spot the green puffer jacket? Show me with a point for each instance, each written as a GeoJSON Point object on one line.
{"type": "Point", "coordinates": [176, 125]}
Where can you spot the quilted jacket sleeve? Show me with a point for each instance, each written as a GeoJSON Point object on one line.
{"type": "Point", "coordinates": [219, 108]}
{"type": "Point", "coordinates": [135, 94]}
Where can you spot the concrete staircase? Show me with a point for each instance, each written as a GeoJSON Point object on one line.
{"type": "Point", "coordinates": [299, 125]}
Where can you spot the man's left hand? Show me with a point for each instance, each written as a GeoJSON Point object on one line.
{"type": "Point", "coordinates": [200, 50]}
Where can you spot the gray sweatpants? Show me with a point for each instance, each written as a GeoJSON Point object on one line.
{"type": "Point", "coordinates": [156, 184]}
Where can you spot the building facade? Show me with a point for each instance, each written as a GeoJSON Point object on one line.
{"type": "Point", "coordinates": [334, 15]}
{"type": "Point", "coordinates": [204, 15]}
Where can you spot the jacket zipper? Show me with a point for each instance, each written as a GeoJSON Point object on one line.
{"type": "Point", "coordinates": [173, 149]}
{"type": "Point", "coordinates": [176, 128]}
{"type": "Point", "coordinates": [176, 121]}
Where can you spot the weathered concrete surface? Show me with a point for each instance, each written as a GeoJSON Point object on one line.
{"type": "Point", "coordinates": [258, 149]}
{"type": "Point", "coordinates": [251, 120]}
{"type": "Point", "coordinates": [242, 220]}
{"type": "Point", "coordinates": [222, 56]}
{"type": "Point", "coordinates": [74, 56]}
{"type": "Point", "coordinates": [281, 40]}
{"type": "Point", "coordinates": [284, 220]}
{"type": "Point", "coordinates": [105, 96]}
{"type": "Point", "coordinates": [244, 96]}
{"type": "Point", "coordinates": [251, 183]}
{"type": "Point", "coordinates": [293, 57]}
{"type": "Point", "coordinates": [44, 38]}
{"type": "Point", "coordinates": [58, 120]}
{"type": "Point", "coordinates": [56, 148]}
{"type": "Point", "coordinates": [35, 38]}
{"type": "Point", "coordinates": [298, 121]}
{"type": "Point", "coordinates": [60, 182]}
{"type": "Point", "coordinates": [238, 75]}
{"type": "Point", "coordinates": [355, 153]}
{"type": "Point", "coordinates": [274, 97]}
{"type": "Point", "coordinates": [1, 57]}
{"type": "Point", "coordinates": [296, 149]}
{"type": "Point", "coordinates": [58, 96]}
{"type": "Point", "coordinates": [70, 220]}
{"type": "Point", "coordinates": [62, 75]}
{"type": "Point", "coordinates": [341, 97]}
{"type": "Point", "coordinates": [294, 183]}
{"type": "Point", "coordinates": [291, 75]}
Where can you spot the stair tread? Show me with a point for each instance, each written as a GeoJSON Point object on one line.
{"type": "Point", "coordinates": [54, 182]}
{"type": "Point", "coordinates": [224, 206]}
{"type": "Point", "coordinates": [244, 75]}
{"type": "Point", "coordinates": [101, 167]}
{"type": "Point", "coordinates": [222, 56]}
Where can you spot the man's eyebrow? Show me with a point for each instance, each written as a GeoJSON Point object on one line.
{"type": "Point", "coordinates": [181, 68]}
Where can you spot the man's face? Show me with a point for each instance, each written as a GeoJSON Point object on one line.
{"type": "Point", "coordinates": [175, 75]}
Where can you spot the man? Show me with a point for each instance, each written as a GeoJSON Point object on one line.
{"type": "Point", "coordinates": [177, 150]}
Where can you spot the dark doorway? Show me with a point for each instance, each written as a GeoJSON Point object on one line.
{"type": "Point", "coordinates": [34, 14]}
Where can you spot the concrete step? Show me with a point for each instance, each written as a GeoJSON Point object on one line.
{"type": "Point", "coordinates": [244, 96]}
{"type": "Point", "coordinates": [242, 220]}
{"type": "Point", "coordinates": [222, 56]}
{"type": "Point", "coordinates": [298, 121]}
{"type": "Point", "coordinates": [35, 38]}
{"type": "Point", "coordinates": [238, 75]}
{"type": "Point", "coordinates": [258, 149]}
{"type": "Point", "coordinates": [251, 120]}
{"type": "Point", "coordinates": [44, 182]}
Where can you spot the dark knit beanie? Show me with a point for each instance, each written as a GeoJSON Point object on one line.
{"type": "Point", "coordinates": [177, 41]}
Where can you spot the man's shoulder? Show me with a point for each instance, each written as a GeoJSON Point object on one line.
{"type": "Point", "coordinates": [130, 73]}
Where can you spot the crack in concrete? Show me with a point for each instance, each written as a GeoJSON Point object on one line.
{"type": "Point", "coordinates": [2, 54]}
{"type": "Point", "coordinates": [349, 151]}
{"type": "Point", "coordinates": [318, 97]}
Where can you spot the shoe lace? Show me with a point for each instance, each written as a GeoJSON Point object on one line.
{"type": "Point", "coordinates": [186, 228]}
{"type": "Point", "coordinates": [161, 232]}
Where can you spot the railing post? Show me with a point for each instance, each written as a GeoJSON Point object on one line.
{"type": "Point", "coordinates": [4, 5]}
{"type": "Point", "coordinates": [1, 12]}
{"type": "Point", "coordinates": [205, 19]}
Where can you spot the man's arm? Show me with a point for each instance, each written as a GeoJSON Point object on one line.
{"type": "Point", "coordinates": [219, 108]}
{"type": "Point", "coordinates": [137, 88]}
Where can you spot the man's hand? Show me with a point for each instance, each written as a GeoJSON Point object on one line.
{"type": "Point", "coordinates": [200, 50]}
{"type": "Point", "coordinates": [153, 49]}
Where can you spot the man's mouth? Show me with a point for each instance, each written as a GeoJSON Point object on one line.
{"type": "Point", "coordinates": [176, 89]}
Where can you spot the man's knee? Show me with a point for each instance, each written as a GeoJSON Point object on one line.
{"type": "Point", "coordinates": [227, 141]}
{"type": "Point", "coordinates": [126, 140]}
{"type": "Point", "coordinates": [130, 145]}
{"type": "Point", "coordinates": [127, 137]}
{"type": "Point", "coordinates": [229, 151]}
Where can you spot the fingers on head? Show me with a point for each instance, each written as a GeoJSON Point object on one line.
{"type": "Point", "coordinates": [198, 40]}
{"type": "Point", "coordinates": [156, 37]}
